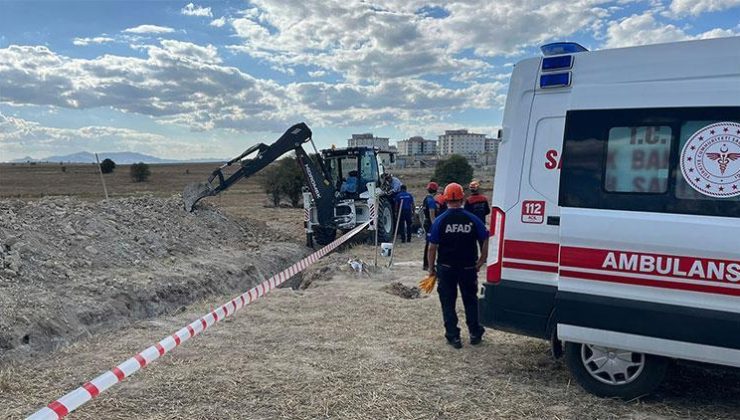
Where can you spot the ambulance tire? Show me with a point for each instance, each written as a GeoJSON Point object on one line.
{"type": "Point", "coordinates": [324, 236]}
{"type": "Point", "coordinates": [643, 380]}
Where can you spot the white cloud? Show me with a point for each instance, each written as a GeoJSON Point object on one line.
{"type": "Point", "coordinates": [93, 40]}
{"type": "Point", "coordinates": [646, 29]}
{"type": "Point", "coordinates": [697, 7]}
{"type": "Point", "coordinates": [185, 51]}
{"type": "Point", "coordinates": [186, 84]}
{"type": "Point", "coordinates": [19, 137]}
{"type": "Point", "coordinates": [716, 33]}
{"type": "Point", "coordinates": [218, 23]}
{"type": "Point", "coordinates": [383, 53]}
{"type": "Point", "coordinates": [389, 39]}
{"type": "Point", "coordinates": [640, 30]}
{"type": "Point", "coordinates": [149, 29]}
{"type": "Point", "coordinates": [192, 10]}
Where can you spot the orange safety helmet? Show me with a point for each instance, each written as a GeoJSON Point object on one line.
{"type": "Point", "coordinates": [474, 185]}
{"type": "Point", "coordinates": [454, 192]}
{"type": "Point", "coordinates": [439, 199]}
{"type": "Point", "coordinates": [433, 186]}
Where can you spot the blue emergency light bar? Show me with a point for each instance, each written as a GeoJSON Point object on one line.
{"type": "Point", "coordinates": [554, 80]}
{"type": "Point", "coordinates": [558, 48]}
{"type": "Point", "coordinates": [561, 62]}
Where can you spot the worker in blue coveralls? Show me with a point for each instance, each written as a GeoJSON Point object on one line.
{"type": "Point", "coordinates": [456, 237]}
{"type": "Point", "coordinates": [349, 186]}
{"type": "Point", "coordinates": [405, 205]}
{"type": "Point", "coordinates": [429, 207]}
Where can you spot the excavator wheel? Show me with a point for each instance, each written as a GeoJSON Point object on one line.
{"type": "Point", "coordinates": [324, 235]}
{"type": "Point", "coordinates": [385, 220]}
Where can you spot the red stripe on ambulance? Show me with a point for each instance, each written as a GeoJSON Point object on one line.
{"type": "Point", "coordinates": [531, 267]}
{"type": "Point", "coordinates": [694, 287]}
{"type": "Point", "coordinates": [675, 266]}
{"type": "Point", "coordinates": [535, 251]}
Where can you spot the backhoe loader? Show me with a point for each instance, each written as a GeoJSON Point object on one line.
{"type": "Point", "coordinates": [327, 208]}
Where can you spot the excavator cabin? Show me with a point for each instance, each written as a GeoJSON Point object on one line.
{"type": "Point", "coordinates": [356, 174]}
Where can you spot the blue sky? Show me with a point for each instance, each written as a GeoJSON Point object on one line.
{"type": "Point", "coordinates": [208, 79]}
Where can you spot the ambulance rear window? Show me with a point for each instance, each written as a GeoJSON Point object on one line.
{"type": "Point", "coordinates": [637, 159]}
{"type": "Point", "coordinates": [666, 160]}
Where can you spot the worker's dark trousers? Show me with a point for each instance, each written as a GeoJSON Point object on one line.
{"type": "Point", "coordinates": [427, 229]}
{"type": "Point", "coordinates": [448, 280]}
{"type": "Point", "coordinates": [404, 229]}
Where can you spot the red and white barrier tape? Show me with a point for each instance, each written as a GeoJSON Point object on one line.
{"type": "Point", "coordinates": [88, 391]}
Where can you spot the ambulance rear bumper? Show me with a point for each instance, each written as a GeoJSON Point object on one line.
{"type": "Point", "coordinates": [518, 307]}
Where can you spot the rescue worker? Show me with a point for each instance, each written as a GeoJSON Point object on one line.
{"type": "Point", "coordinates": [391, 186]}
{"type": "Point", "coordinates": [395, 184]}
{"type": "Point", "coordinates": [477, 203]}
{"type": "Point", "coordinates": [441, 203]}
{"type": "Point", "coordinates": [455, 238]}
{"type": "Point", "coordinates": [349, 186]}
{"type": "Point", "coordinates": [405, 206]}
{"type": "Point", "coordinates": [429, 207]}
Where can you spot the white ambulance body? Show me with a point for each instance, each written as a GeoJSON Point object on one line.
{"type": "Point", "coordinates": [616, 223]}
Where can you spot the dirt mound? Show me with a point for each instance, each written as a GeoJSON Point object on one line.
{"type": "Point", "coordinates": [70, 267]}
{"type": "Point", "coordinates": [403, 291]}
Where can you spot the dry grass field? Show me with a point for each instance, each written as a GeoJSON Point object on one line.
{"type": "Point", "coordinates": [342, 348]}
{"type": "Point", "coordinates": [245, 198]}
{"type": "Point", "coordinates": [23, 180]}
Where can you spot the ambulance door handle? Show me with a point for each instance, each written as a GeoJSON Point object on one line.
{"type": "Point", "coordinates": [553, 220]}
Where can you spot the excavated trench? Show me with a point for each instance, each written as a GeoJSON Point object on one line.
{"type": "Point", "coordinates": [71, 268]}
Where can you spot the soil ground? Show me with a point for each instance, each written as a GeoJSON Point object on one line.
{"type": "Point", "coordinates": [343, 348]}
{"type": "Point", "coordinates": [346, 346]}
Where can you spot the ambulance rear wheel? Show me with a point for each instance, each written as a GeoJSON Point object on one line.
{"type": "Point", "coordinates": [614, 373]}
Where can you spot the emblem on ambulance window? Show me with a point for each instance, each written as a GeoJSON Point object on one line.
{"type": "Point", "coordinates": [710, 160]}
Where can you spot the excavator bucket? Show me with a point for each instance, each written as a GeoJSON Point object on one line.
{"type": "Point", "coordinates": [195, 192]}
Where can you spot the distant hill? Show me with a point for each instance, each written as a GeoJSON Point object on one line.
{"type": "Point", "coordinates": [121, 158]}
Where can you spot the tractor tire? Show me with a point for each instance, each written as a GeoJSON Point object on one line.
{"type": "Point", "coordinates": [385, 221]}
{"type": "Point", "coordinates": [324, 235]}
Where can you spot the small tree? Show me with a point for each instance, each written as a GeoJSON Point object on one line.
{"type": "Point", "coordinates": [284, 179]}
{"type": "Point", "coordinates": [291, 179]}
{"type": "Point", "coordinates": [107, 166]}
{"type": "Point", "coordinates": [454, 169]}
{"type": "Point", "coordinates": [140, 172]}
{"type": "Point", "coordinates": [270, 184]}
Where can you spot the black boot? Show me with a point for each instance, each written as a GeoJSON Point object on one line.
{"type": "Point", "coordinates": [476, 339]}
{"type": "Point", "coordinates": [455, 342]}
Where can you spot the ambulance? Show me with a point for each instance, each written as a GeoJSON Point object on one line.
{"type": "Point", "coordinates": [615, 231]}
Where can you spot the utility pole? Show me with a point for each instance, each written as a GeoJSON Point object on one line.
{"type": "Point", "coordinates": [395, 234]}
{"type": "Point", "coordinates": [102, 179]}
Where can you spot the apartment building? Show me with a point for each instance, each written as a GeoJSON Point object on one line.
{"type": "Point", "coordinates": [417, 145]}
{"type": "Point", "coordinates": [461, 142]}
{"type": "Point", "coordinates": [369, 140]}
